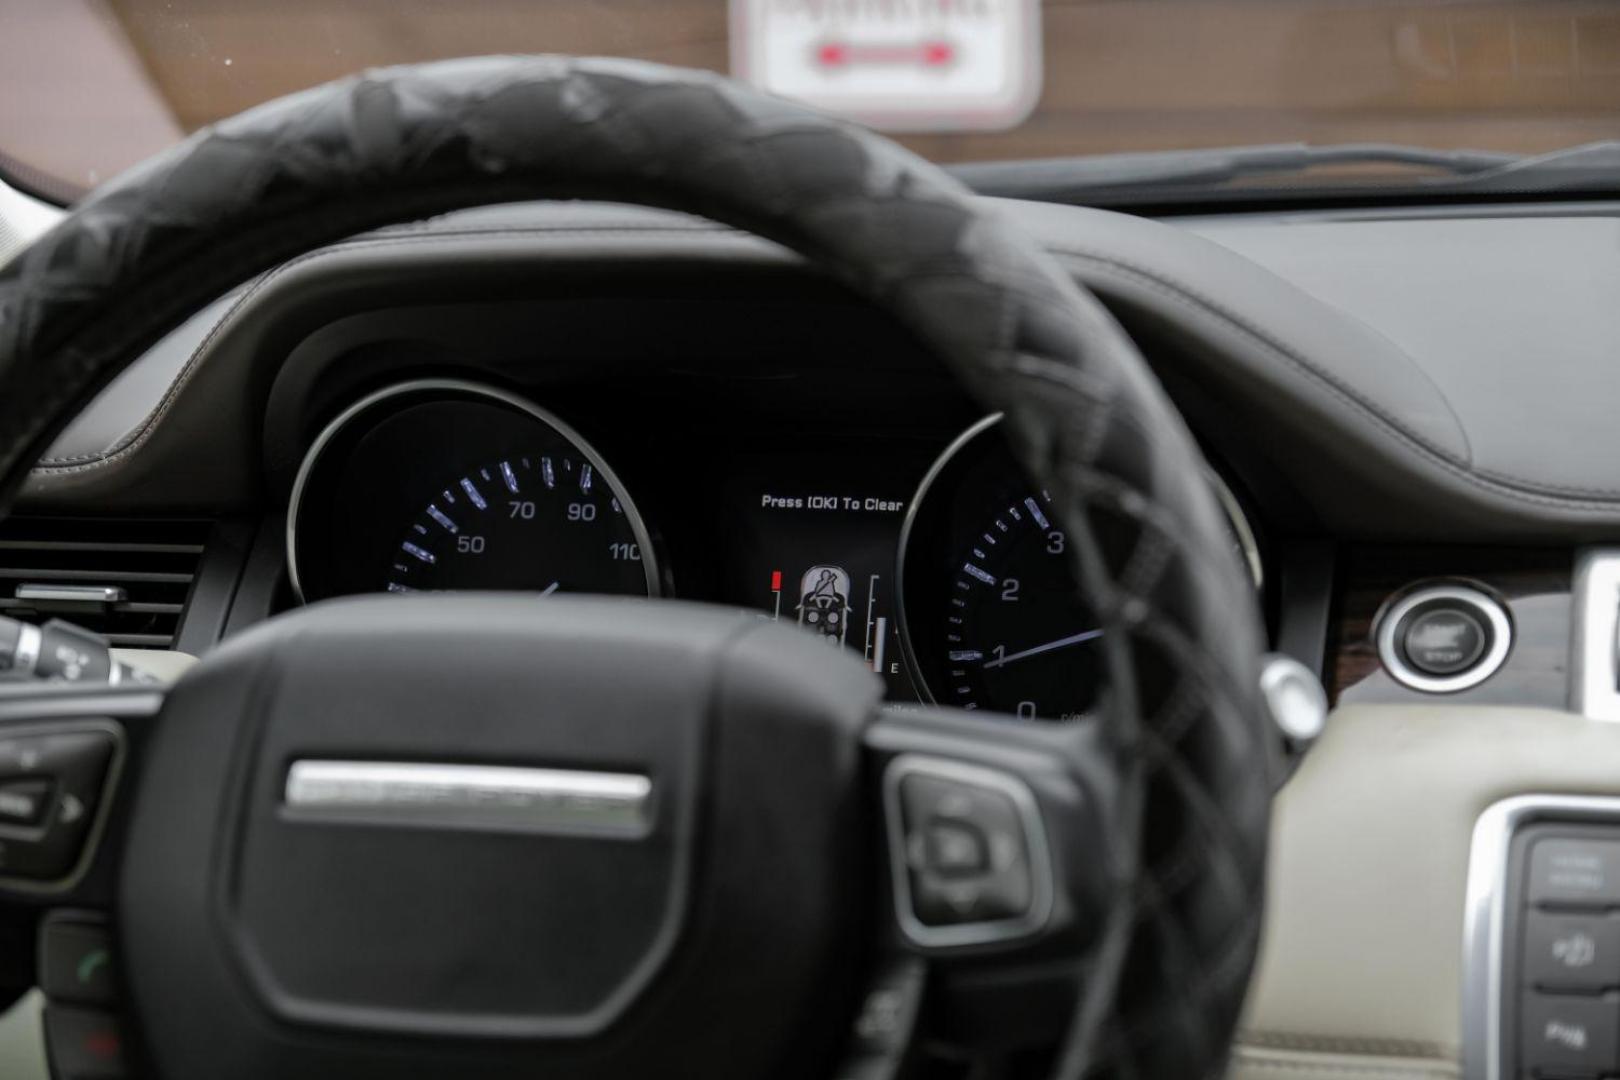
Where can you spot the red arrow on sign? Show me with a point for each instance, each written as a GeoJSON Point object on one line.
{"type": "Point", "coordinates": [845, 54]}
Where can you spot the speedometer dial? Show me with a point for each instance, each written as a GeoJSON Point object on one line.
{"type": "Point", "coordinates": [991, 617]}
{"type": "Point", "coordinates": [542, 521]}
{"type": "Point", "coordinates": [445, 485]}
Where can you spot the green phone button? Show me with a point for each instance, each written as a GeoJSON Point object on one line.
{"type": "Point", "coordinates": [90, 963]}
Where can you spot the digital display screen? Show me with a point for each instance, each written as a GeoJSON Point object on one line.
{"type": "Point", "coordinates": [815, 546]}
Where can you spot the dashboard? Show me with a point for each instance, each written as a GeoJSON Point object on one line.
{"type": "Point", "coordinates": [1403, 413]}
{"type": "Point", "coordinates": [750, 434]}
{"type": "Point", "coordinates": [941, 568]}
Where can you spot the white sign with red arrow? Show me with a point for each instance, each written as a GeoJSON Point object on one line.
{"type": "Point", "coordinates": [897, 65]}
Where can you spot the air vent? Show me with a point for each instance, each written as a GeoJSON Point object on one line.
{"type": "Point", "coordinates": [126, 580]}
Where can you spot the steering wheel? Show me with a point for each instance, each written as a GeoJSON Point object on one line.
{"type": "Point", "coordinates": [485, 836]}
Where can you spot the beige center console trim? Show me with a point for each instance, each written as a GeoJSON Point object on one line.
{"type": "Point", "coordinates": [1361, 968]}
{"type": "Point", "coordinates": [1255, 1063]}
{"type": "Point", "coordinates": [162, 664]}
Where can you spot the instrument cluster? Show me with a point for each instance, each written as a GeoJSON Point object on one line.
{"type": "Point", "coordinates": [939, 566]}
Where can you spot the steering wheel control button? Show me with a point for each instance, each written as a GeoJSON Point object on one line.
{"type": "Point", "coordinates": [50, 787]}
{"type": "Point", "coordinates": [1571, 952]}
{"type": "Point", "coordinates": [1444, 638]}
{"type": "Point", "coordinates": [1575, 872]}
{"type": "Point", "coordinates": [1570, 1036]}
{"type": "Point", "coordinates": [23, 802]}
{"type": "Point", "coordinates": [76, 960]}
{"type": "Point", "coordinates": [84, 1044]}
{"type": "Point", "coordinates": [883, 1029]}
{"type": "Point", "coordinates": [956, 849]}
{"type": "Point", "coordinates": [954, 879]}
{"type": "Point", "coordinates": [971, 864]}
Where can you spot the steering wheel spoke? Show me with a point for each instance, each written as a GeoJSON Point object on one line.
{"type": "Point", "coordinates": [997, 833]}
{"type": "Point", "coordinates": [65, 755]}
{"type": "Point", "coordinates": [1002, 856]}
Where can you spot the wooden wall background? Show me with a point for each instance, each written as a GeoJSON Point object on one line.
{"type": "Point", "coordinates": [1525, 75]}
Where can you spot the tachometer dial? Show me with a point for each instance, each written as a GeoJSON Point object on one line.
{"type": "Point", "coordinates": [991, 617]}
{"type": "Point", "coordinates": [1016, 637]}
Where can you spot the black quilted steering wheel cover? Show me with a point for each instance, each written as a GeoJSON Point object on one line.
{"type": "Point", "coordinates": [1086, 418]}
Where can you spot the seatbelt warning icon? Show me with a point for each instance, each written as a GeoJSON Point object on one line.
{"type": "Point", "coordinates": [824, 602]}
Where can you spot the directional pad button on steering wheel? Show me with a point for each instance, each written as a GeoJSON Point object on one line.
{"type": "Point", "coordinates": [971, 857]}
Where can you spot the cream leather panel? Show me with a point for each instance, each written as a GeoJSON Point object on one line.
{"type": "Point", "coordinates": [22, 1046]}
{"type": "Point", "coordinates": [1360, 970]}
{"type": "Point", "coordinates": [1249, 1063]}
{"type": "Point", "coordinates": [163, 664]}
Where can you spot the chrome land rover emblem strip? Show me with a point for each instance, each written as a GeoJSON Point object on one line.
{"type": "Point", "coordinates": [470, 796]}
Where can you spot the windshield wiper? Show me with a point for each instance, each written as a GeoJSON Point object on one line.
{"type": "Point", "coordinates": [1117, 177]}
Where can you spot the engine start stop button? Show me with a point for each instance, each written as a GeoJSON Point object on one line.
{"type": "Point", "coordinates": [1444, 637]}
{"type": "Point", "coordinates": [1443, 640]}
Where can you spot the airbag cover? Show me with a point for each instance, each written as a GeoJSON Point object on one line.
{"type": "Point", "coordinates": [462, 929]}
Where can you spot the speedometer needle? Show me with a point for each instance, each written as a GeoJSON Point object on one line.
{"type": "Point", "coordinates": [1072, 639]}
{"type": "Point", "coordinates": [549, 589]}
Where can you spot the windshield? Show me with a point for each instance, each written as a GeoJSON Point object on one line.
{"type": "Point", "coordinates": [89, 87]}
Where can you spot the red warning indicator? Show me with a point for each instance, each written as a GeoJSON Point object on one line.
{"type": "Point", "coordinates": [776, 581]}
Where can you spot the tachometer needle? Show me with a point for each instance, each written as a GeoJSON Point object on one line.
{"type": "Point", "coordinates": [1072, 639]}
{"type": "Point", "coordinates": [549, 589]}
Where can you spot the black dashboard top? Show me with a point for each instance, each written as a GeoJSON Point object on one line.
{"type": "Point", "coordinates": [1317, 347]}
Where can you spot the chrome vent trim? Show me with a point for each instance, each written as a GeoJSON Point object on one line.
{"type": "Point", "coordinates": [127, 580]}
{"type": "Point", "coordinates": [1595, 678]}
